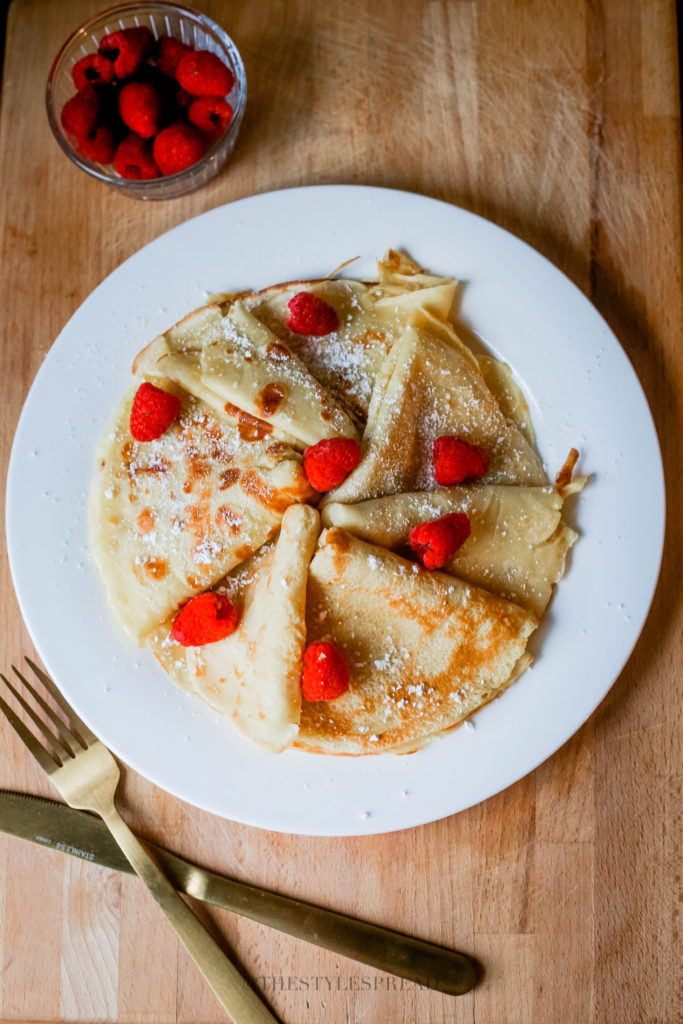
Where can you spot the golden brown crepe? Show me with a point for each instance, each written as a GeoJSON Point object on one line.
{"type": "Point", "coordinates": [168, 518]}
{"type": "Point", "coordinates": [424, 649]}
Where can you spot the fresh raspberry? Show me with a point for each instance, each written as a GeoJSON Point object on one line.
{"type": "Point", "coordinates": [92, 70]}
{"type": "Point", "coordinates": [211, 115]}
{"type": "Point", "coordinates": [98, 145]}
{"type": "Point", "coordinates": [177, 147]}
{"type": "Point", "coordinates": [152, 413]}
{"type": "Point", "coordinates": [80, 113]}
{"type": "Point", "coordinates": [311, 315]}
{"type": "Point", "coordinates": [326, 674]}
{"type": "Point", "coordinates": [329, 462]}
{"type": "Point", "coordinates": [204, 620]}
{"type": "Point", "coordinates": [140, 107]}
{"type": "Point", "coordinates": [456, 460]}
{"type": "Point", "coordinates": [202, 73]}
{"type": "Point", "coordinates": [133, 159]}
{"type": "Point", "coordinates": [169, 53]}
{"type": "Point", "coordinates": [435, 542]}
{"type": "Point", "coordinates": [127, 49]}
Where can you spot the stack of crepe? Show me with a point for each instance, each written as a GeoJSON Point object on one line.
{"type": "Point", "coordinates": [221, 502]}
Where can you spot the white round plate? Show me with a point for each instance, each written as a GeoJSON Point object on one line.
{"type": "Point", "coordinates": [582, 392]}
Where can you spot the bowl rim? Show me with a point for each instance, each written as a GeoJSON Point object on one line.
{"type": "Point", "coordinates": [135, 185]}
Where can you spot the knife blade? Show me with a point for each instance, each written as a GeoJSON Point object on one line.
{"type": "Point", "coordinates": [81, 834]}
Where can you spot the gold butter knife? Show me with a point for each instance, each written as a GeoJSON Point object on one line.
{"type": "Point", "coordinates": [83, 835]}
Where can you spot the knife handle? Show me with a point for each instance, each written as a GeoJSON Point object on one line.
{"type": "Point", "coordinates": [419, 961]}
{"type": "Point", "coordinates": [234, 994]}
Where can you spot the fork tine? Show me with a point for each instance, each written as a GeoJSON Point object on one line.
{"type": "Point", "coordinates": [48, 764]}
{"type": "Point", "coordinates": [86, 737]}
{"type": "Point", "coordinates": [60, 743]}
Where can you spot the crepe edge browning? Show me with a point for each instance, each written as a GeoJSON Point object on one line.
{"type": "Point", "coordinates": [443, 685]}
{"type": "Point", "coordinates": [359, 746]}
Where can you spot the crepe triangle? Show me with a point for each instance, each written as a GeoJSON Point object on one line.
{"type": "Point", "coordinates": [254, 675]}
{"type": "Point", "coordinates": [431, 386]}
{"type": "Point", "coordinates": [171, 655]}
{"type": "Point", "coordinates": [424, 649]}
{"type": "Point", "coordinates": [518, 543]}
{"type": "Point", "coordinates": [250, 368]}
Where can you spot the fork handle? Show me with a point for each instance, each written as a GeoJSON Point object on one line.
{"type": "Point", "coordinates": [234, 994]}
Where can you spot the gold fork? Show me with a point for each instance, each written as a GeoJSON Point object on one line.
{"type": "Point", "coordinates": [86, 775]}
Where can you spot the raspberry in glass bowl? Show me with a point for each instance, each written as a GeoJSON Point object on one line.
{"type": "Point", "coordinates": [148, 98]}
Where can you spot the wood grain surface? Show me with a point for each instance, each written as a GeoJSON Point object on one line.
{"type": "Point", "coordinates": [560, 122]}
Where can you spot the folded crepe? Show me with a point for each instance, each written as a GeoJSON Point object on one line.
{"type": "Point", "coordinates": [200, 509]}
{"type": "Point", "coordinates": [249, 367]}
{"type": "Point", "coordinates": [225, 356]}
{"type": "Point", "coordinates": [405, 288]}
{"type": "Point", "coordinates": [424, 649]}
{"type": "Point", "coordinates": [254, 675]}
{"type": "Point", "coordinates": [431, 385]}
{"type": "Point", "coordinates": [518, 543]}
{"type": "Point", "coordinates": [168, 518]}
{"type": "Point", "coordinates": [371, 317]}
{"type": "Point", "coordinates": [177, 355]}
{"type": "Point", "coordinates": [171, 655]}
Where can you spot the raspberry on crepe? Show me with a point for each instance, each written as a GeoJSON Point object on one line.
{"type": "Point", "coordinates": [456, 460]}
{"type": "Point", "coordinates": [254, 674]}
{"type": "Point", "coordinates": [309, 314]}
{"type": "Point", "coordinates": [171, 515]}
{"type": "Point", "coordinates": [152, 412]}
{"type": "Point", "coordinates": [431, 386]}
{"type": "Point", "coordinates": [205, 619]}
{"type": "Point", "coordinates": [330, 461]}
{"type": "Point", "coordinates": [437, 541]}
{"type": "Point", "coordinates": [326, 674]}
{"type": "Point", "coordinates": [517, 547]}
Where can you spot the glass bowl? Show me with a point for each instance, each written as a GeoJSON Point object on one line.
{"type": "Point", "coordinates": [164, 19]}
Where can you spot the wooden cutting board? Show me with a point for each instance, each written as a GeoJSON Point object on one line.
{"type": "Point", "coordinates": [559, 121]}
